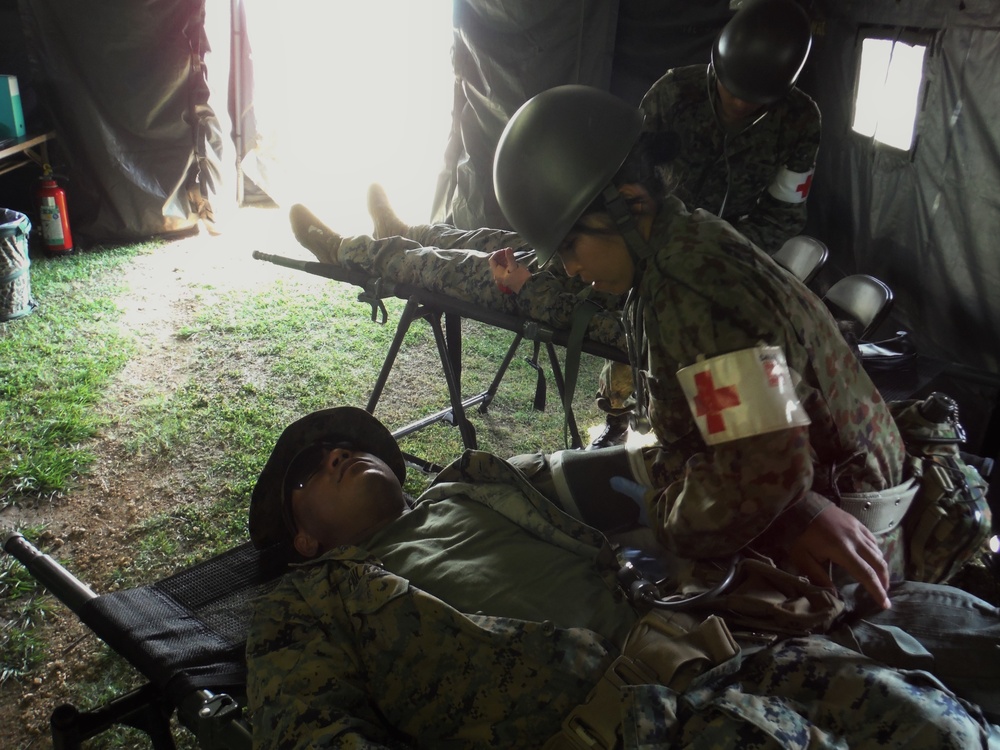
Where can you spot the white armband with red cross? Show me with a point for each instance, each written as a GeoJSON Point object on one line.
{"type": "Point", "coordinates": [742, 394]}
{"type": "Point", "coordinates": [791, 187]}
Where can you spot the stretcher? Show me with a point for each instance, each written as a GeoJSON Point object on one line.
{"type": "Point", "coordinates": [434, 307]}
{"type": "Point", "coordinates": [185, 635]}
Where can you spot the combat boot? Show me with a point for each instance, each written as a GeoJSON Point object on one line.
{"type": "Point", "coordinates": [615, 432]}
{"type": "Point", "coordinates": [385, 223]}
{"type": "Point", "coordinates": [314, 235]}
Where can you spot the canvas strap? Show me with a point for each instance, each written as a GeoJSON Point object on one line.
{"type": "Point", "coordinates": [664, 649]}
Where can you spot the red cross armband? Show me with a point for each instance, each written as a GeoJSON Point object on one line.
{"type": "Point", "coordinates": [742, 394]}
{"type": "Point", "coordinates": [791, 187]}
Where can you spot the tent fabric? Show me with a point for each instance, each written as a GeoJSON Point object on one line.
{"type": "Point", "coordinates": [505, 53]}
{"type": "Point", "coordinates": [126, 89]}
{"type": "Point", "coordinates": [925, 222]}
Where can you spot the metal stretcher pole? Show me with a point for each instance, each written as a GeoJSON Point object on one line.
{"type": "Point", "coordinates": [531, 329]}
{"type": "Point", "coordinates": [495, 385]}
{"type": "Point", "coordinates": [215, 718]}
{"type": "Point", "coordinates": [69, 726]}
{"type": "Point", "coordinates": [54, 577]}
{"type": "Point", "coordinates": [449, 347]}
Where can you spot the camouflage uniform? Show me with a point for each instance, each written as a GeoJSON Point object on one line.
{"type": "Point", "coordinates": [738, 490]}
{"type": "Point", "coordinates": [724, 173]}
{"type": "Point", "coordinates": [454, 262]}
{"type": "Point", "coordinates": [343, 653]}
{"type": "Point", "coordinates": [787, 136]}
{"type": "Point", "coordinates": [708, 291]}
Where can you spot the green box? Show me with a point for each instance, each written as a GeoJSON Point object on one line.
{"type": "Point", "coordinates": [11, 116]}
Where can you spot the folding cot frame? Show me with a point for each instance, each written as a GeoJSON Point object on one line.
{"type": "Point", "coordinates": [432, 306]}
{"type": "Point", "coordinates": [185, 634]}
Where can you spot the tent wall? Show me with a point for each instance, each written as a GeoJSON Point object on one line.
{"type": "Point", "coordinates": [126, 92]}
{"type": "Point", "coordinates": [925, 222]}
{"type": "Point", "coordinates": [505, 53]}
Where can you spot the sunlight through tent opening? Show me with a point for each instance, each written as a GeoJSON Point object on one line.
{"type": "Point", "coordinates": [348, 94]}
{"type": "Point", "coordinates": [886, 101]}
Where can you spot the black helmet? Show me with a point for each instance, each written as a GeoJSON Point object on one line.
{"type": "Point", "coordinates": [558, 152]}
{"type": "Point", "coordinates": [759, 54]}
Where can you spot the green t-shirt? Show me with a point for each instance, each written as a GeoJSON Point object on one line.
{"type": "Point", "coordinates": [480, 562]}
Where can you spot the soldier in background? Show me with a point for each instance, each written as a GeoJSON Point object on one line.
{"type": "Point", "coordinates": [748, 142]}
{"type": "Point", "coordinates": [748, 136]}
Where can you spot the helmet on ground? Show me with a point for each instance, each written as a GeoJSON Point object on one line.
{"type": "Point", "coordinates": [761, 51]}
{"type": "Point", "coordinates": [560, 149]}
{"type": "Point", "coordinates": [347, 424]}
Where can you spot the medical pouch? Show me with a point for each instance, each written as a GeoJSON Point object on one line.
{"type": "Point", "coordinates": [949, 520]}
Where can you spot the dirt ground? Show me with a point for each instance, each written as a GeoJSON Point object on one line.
{"type": "Point", "coordinates": [167, 289]}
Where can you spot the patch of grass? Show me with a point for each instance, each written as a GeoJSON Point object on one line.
{"type": "Point", "coordinates": [22, 609]}
{"type": "Point", "coordinates": [54, 366]}
{"type": "Point", "coordinates": [267, 358]}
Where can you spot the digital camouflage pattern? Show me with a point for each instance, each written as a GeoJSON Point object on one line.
{"type": "Point", "coordinates": [343, 654]}
{"type": "Point", "coordinates": [787, 136]}
{"type": "Point", "coordinates": [452, 261]}
{"type": "Point", "coordinates": [803, 693]}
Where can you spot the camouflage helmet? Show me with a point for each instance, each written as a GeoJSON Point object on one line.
{"type": "Point", "coordinates": [557, 153]}
{"type": "Point", "coordinates": [347, 424]}
{"type": "Point", "coordinates": [760, 53]}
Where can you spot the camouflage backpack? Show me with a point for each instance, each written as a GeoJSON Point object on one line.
{"type": "Point", "coordinates": [949, 520]}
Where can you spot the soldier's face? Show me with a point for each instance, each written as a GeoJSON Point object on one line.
{"type": "Point", "coordinates": [732, 109]}
{"type": "Point", "coordinates": [597, 253]}
{"type": "Point", "coordinates": [350, 496]}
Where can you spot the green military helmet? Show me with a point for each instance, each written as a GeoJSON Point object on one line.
{"type": "Point", "coordinates": [760, 53]}
{"type": "Point", "coordinates": [559, 151]}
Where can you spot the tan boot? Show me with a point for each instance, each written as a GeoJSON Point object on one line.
{"type": "Point", "coordinates": [314, 235]}
{"type": "Point", "coordinates": [384, 219]}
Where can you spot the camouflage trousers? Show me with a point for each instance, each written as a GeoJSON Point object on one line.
{"type": "Point", "coordinates": [804, 693]}
{"type": "Point", "coordinates": [451, 261]}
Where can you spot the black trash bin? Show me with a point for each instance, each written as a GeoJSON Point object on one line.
{"type": "Point", "coordinates": [15, 281]}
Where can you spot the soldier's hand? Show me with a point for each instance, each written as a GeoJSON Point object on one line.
{"type": "Point", "coordinates": [508, 274]}
{"type": "Point", "coordinates": [835, 536]}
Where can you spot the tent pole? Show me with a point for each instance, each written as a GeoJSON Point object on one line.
{"type": "Point", "coordinates": [236, 61]}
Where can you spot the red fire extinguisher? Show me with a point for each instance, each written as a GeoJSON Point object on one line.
{"type": "Point", "coordinates": [54, 217]}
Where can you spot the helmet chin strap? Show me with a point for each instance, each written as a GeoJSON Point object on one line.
{"type": "Point", "coordinates": [631, 316]}
{"type": "Point", "coordinates": [638, 248]}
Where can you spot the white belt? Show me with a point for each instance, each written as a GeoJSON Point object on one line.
{"type": "Point", "coordinates": [881, 511]}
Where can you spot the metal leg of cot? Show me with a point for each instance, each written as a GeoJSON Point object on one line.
{"type": "Point", "coordinates": [449, 356]}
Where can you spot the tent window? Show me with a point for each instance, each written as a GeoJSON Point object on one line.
{"type": "Point", "coordinates": [886, 99]}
